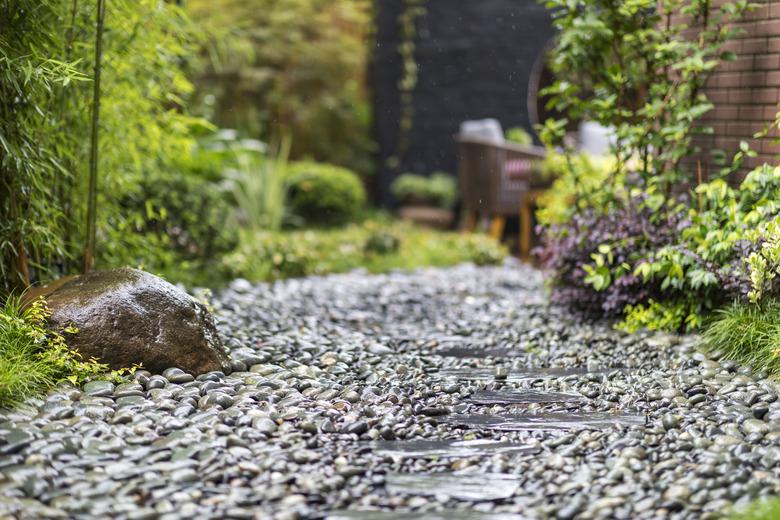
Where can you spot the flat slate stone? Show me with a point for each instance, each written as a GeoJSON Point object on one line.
{"type": "Point", "coordinates": [437, 515]}
{"type": "Point", "coordinates": [448, 448]}
{"type": "Point", "coordinates": [489, 374]}
{"type": "Point", "coordinates": [523, 397]}
{"type": "Point", "coordinates": [478, 352]}
{"type": "Point", "coordinates": [545, 421]}
{"type": "Point", "coordinates": [482, 487]}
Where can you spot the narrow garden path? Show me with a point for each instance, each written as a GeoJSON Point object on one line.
{"type": "Point", "coordinates": [457, 393]}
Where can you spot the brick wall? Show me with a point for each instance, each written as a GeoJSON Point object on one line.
{"type": "Point", "coordinates": [746, 92]}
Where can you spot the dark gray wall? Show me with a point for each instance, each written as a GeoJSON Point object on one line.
{"type": "Point", "coordinates": [475, 59]}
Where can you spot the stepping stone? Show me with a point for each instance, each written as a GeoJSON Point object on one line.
{"type": "Point", "coordinates": [489, 374]}
{"type": "Point", "coordinates": [477, 352]}
{"type": "Point", "coordinates": [523, 397]}
{"type": "Point", "coordinates": [471, 487]}
{"type": "Point", "coordinates": [545, 421]}
{"type": "Point", "coordinates": [448, 448]}
{"type": "Point", "coordinates": [438, 515]}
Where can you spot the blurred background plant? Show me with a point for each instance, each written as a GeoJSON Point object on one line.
{"type": "Point", "coordinates": [520, 136]}
{"type": "Point", "coordinates": [322, 194]}
{"type": "Point", "coordinates": [296, 68]}
{"type": "Point", "coordinates": [439, 189]}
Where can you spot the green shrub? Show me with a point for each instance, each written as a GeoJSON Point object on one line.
{"type": "Point", "coordinates": [439, 189]}
{"type": "Point", "coordinates": [323, 194]}
{"type": "Point", "coordinates": [33, 359]}
{"type": "Point", "coordinates": [519, 135]}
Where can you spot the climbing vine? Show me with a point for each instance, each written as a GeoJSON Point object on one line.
{"type": "Point", "coordinates": [407, 20]}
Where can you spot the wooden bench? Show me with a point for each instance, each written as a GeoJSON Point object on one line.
{"type": "Point", "coordinates": [495, 182]}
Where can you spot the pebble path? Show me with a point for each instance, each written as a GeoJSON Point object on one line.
{"type": "Point", "coordinates": [455, 394]}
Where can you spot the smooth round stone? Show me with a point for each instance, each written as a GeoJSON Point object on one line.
{"type": "Point", "coordinates": [754, 426]}
{"type": "Point", "coordinates": [128, 389]}
{"type": "Point", "coordinates": [156, 382]}
{"type": "Point", "coordinates": [215, 398]}
{"type": "Point", "coordinates": [264, 425]}
{"type": "Point", "coordinates": [177, 376]}
{"type": "Point", "coordinates": [99, 388]}
{"type": "Point", "coordinates": [131, 400]}
{"type": "Point", "coordinates": [670, 421]}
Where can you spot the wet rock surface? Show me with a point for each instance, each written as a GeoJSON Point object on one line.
{"type": "Point", "coordinates": [127, 317]}
{"type": "Point", "coordinates": [339, 406]}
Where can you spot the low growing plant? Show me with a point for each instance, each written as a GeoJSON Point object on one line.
{"type": "Point", "coordinates": [439, 189]}
{"type": "Point", "coordinates": [33, 358]}
{"type": "Point", "coordinates": [285, 254]}
{"type": "Point", "coordinates": [763, 509]}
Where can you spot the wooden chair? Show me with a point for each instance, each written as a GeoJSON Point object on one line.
{"type": "Point", "coordinates": [496, 181]}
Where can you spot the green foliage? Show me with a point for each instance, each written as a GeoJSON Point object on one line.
{"type": "Point", "coordinates": [270, 256]}
{"type": "Point", "coordinates": [665, 260]}
{"type": "Point", "coordinates": [439, 189]}
{"type": "Point", "coordinates": [519, 135]}
{"type": "Point", "coordinates": [578, 182]}
{"type": "Point", "coordinates": [674, 315]}
{"type": "Point", "coordinates": [145, 89]}
{"type": "Point", "coordinates": [259, 188]}
{"type": "Point", "coordinates": [33, 358]}
{"type": "Point", "coordinates": [765, 509]}
{"type": "Point", "coordinates": [34, 77]}
{"type": "Point", "coordinates": [381, 242]}
{"type": "Point", "coordinates": [295, 67]}
{"type": "Point", "coordinates": [640, 68]}
{"type": "Point", "coordinates": [747, 333]}
{"type": "Point", "coordinates": [323, 194]}
{"type": "Point", "coordinates": [48, 48]}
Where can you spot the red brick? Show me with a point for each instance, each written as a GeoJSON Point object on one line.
{"type": "Point", "coordinates": [753, 79]}
{"type": "Point", "coordinates": [718, 96]}
{"type": "Point", "coordinates": [759, 13]}
{"type": "Point", "coordinates": [773, 78]}
{"type": "Point", "coordinates": [726, 112]}
{"type": "Point", "coordinates": [766, 96]}
{"type": "Point", "coordinates": [770, 112]}
{"type": "Point", "coordinates": [766, 28]}
{"type": "Point", "coordinates": [728, 79]}
{"type": "Point", "coordinates": [744, 130]}
{"type": "Point", "coordinates": [766, 62]}
{"type": "Point", "coordinates": [740, 95]}
{"type": "Point", "coordinates": [769, 147]}
{"type": "Point", "coordinates": [751, 113]}
{"type": "Point", "coordinates": [751, 45]}
{"type": "Point", "coordinates": [742, 63]}
{"type": "Point", "coordinates": [773, 44]}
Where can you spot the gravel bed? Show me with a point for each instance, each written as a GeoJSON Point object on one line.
{"type": "Point", "coordinates": [333, 375]}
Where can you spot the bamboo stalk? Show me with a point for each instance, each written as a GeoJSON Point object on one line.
{"type": "Point", "coordinates": [89, 252]}
{"type": "Point", "coordinates": [701, 202]}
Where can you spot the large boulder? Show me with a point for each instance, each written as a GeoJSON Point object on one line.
{"type": "Point", "coordinates": [127, 317]}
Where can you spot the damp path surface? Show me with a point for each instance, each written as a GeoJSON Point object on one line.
{"type": "Point", "coordinates": [343, 404]}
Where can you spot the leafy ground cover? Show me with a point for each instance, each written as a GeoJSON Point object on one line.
{"type": "Point", "coordinates": [33, 359]}
{"type": "Point", "coordinates": [377, 245]}
{"type": "Point", "coordinates": [761, 510]}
